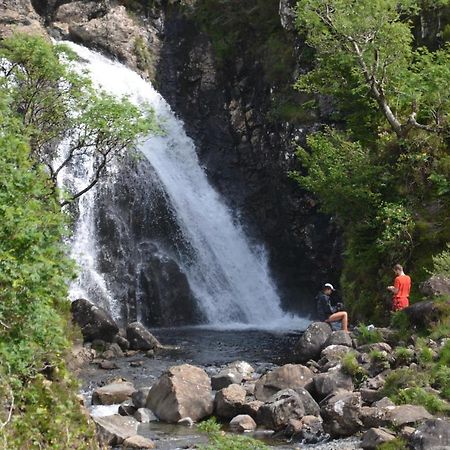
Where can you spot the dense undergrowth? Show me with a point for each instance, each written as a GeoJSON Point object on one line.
{"type": "Point", "coordinates": [42, 101]}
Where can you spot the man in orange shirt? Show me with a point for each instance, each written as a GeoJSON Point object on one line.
{"type": "Point", "coordinates": [401, 288]}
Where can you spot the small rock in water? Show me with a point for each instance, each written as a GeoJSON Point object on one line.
{"type": "Point", "coordinates": [186, 421]}
{"type": "Point", "coordinates": [127, 408]}
{"type": "Point", "coordinates": [108, 365]}
{"type": "Point", "coordinates": [242, 423]}
{"type": "Point", "coordinates": [139, 397]}
{"type": "Point", "coordinates": [138, 442]}
{"type": "Point", "coordinates": [136, 363]}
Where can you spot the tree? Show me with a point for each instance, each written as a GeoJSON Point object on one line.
{"type": "Point", "coordinates": [55, 104]}
{"type": "Point", "coordinates": [366, 46]}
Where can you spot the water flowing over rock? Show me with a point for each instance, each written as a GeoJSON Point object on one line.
{"type": "Point", "coordinates": [182, 391]}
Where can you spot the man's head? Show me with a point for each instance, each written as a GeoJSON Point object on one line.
{"type": "Point", "coordinates": [328, 288]}
{"type": "Point", "coordinates": [398, 269]}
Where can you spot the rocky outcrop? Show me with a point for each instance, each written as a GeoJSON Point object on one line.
{"type": "Point", "coordinates": [436, 286]}
{"type": "Point", "coordinates": [19, 16]}
{"type": "Point", "coordinates": [312, 341]}
{"type": "Point", "coordinates": [94, 322]}
{"type": "Point", "coordinates": [182, 391]}
{"type": "Point", "coordinates": [229, 401]}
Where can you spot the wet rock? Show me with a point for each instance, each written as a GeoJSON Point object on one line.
{"type": "Point", "coordinates": [108, 365]}
{"type": "Point", "coordinates": [332, 381]}
{"type": "Point", "coordinates": [127, 408]}
{"type": "Point", "coordinates": [339, 338]}
{"type": "Point", "coordinates": [113, 430]}
{"type": "Point", "coordinates": [94, 322]}
{"type": "Point", "coordinates": [308, 430]}
{"type": "Point", "coordinates": [289, 376]}
{"type": "Point", "coordinates": [242, 423]}
{"type": "Point", "coordinates": [312, 341]}
{"type": "Point", "coordinates": [182, 391]}
{"type": "Point", "coordinates": [341, 414]}
{"type": "Point", "coordinates": [140, 338]}
{"type": "Point", "coordinates": [138, 442]}
{"type": "Point", "coordinates": [112, 393]}
{"type": "Point", "coordinates": [407, 414]}
{"type": "Point", "coordinates": [122, 342]}
{"type": "Point", "coordinates": [139, 397]}
{"type": "Point", "coordinates": [144, 415]}
{"type": "Point", "coordinates": [374, 437]}
{"type": "Point", "coordinates": [228, 401]}
{"type": "Point", "coordinates": [224, 378]}
{"type": "Point", "coordinates": [431, 435]}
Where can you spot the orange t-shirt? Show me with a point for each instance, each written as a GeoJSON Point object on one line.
{"type": "Point", "coordinates": [403, 284]}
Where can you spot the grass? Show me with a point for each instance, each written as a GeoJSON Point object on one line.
{"type": "Point", "coordinates": [351, 367]}
{"type": "Point", "coordinates": [366, 335]}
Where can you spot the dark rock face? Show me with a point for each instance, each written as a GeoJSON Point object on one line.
{"type": "Point", "coordinates": [140, 338]}
{"type": "Point", "coordinates": [247, 157]}
{"type": "Point", "coordinates": [95, 323]}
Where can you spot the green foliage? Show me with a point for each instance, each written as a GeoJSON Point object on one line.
{"type": "Point", "coordinates": [403, 378]}
{"type": "Point", "coordinates": [218, 440]}
{"type": "Point", "coordinates": [367, 335]}
{"type": "Point", "coordinates": [38, 404]}
{"type": "Point", "coordinates": [144, 57]}
{"type": "Point", "coordinates": [403, 356]}
{"type": "Point", "coordinates": [441, 262]}
{"type": "Point", "coordinates": [351, 366]}
{"type": "Point", "coordinates": [419, 396]}
{"type": "Point", "coordinates": [55, 102]}
{"type": "Point", "coordinates": [395, 444]}
{"type": "Point", "coordinates": [384, 176]}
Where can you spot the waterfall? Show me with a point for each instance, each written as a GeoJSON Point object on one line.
{"type": "Point", "coordinates": [228, 276]}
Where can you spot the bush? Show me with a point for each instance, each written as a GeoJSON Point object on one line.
{"type": "Point", "coordinates": [403, 378]}
{"type": "Point", "coordinates": [366, 335]}
{"type": "Point", "coordinates": [419, 396]}
{"type": "Point", "coordinates": [403, 356]}
{"type": "Point", "coordinates": [395, 444]}
{"type": "Point", "coordinates": [351, 366]}
{"type": "Point", "coordinates": [218, 440]}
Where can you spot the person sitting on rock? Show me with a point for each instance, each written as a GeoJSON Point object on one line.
{"type": "Point", "coordinates": [327, 312]}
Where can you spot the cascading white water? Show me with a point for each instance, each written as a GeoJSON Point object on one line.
{"type": "Point", "coordinates": [228, 277]}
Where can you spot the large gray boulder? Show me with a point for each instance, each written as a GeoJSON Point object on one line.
{"type": "Point", "coordinates": [341, 414]}
{"type": "Point", "coordinates": [225, 378]}
{"type": "Point", "coordinates": [339, 338]}
{"type": "Point", "coordinates": [182, 391]}
{"type": "Point", "coordinates": [94, 322]}
{"type": "Point", "coordinates": [229, 401]}
{"type": "Point", "coordinates": [242, 423]}
{"type": "Point", "coordinates": [406, 414]}
{"type": "Point", "coordinates": [432, 434]}
{"type": "Point", "coordinates": [332, 355]}
{"type": "Point", "coordinates": [113, 430]}
{"type": "Point", "coordinates": [140, 338]}
{"type": "Point", "coordinates": [113, 393]}
{"type": "Point", "coordinates": [312, 341]}
{"type": "Point", "coordinates": [289, 376]}
{"type": "Point", "coordinates": [332, 381]}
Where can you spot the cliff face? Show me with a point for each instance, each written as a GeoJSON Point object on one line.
{"type": "Point", "coordinates": [235, 98]}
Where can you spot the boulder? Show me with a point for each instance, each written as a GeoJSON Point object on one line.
{"type": "Point", "coordinates": [144, 415]}
{"type": "Point", "coordinates": [224, 378]}
{"type": "Point", "coordinates": [244, 368]}
{"type": "Point", "coordinates": [182, 391]}
{"type": "Point", "coordinates": [137, 442]}
{"type": "Point", "coordinates": [341, 414]}
{"type": "Point", "coordinates": [289, 376]}
{"type": "Point", "coordinates": [276, 414]}
{"type": "Point", "coordinates": [432, 434]}
{"type": "Point", "coordinates": [339, 338]}
{"type": "Point", "coordinates": [436, 286]}
{"type": "Point", "coordinates": [308, 430]}
{"type": "Point", "coordinates": [94, 322]}
{"type": "Point", "coordinates": [312, 341]}
{"type": "Point", "coordinates": [332, 381]}
{"type": "Point", "coordinates": [424, 314]}
{"type": "Point", "coordinates": [122, 343]}
{"type": "Point", "coordinates": [242, 423]}
{"type": "Point", "coordinates": [108, 365]}
{"type": "Point", "coordinates": [407, 414]}
{"type": "Point", "coordinates": [127, 408]}
{"type": "Point", "coordinates": [332, 355]}
{"type": "Point", "coordinates": [113, 430]}
{"type": "Point", "coordinates": [139, 397]}
{"type": "Point", "coordinates": [373, 417]}
{"type": "Point", "coordinates": [140, 338]}
{"type": "Point", "coordinates": [112, 393]}
{"type": "Point", "coordinates": [228, 401]}
{"type": "Point", "coordinates": [377, 346]}
{"type": "Point", "coordinates": [374, 437]}
{"type": "Point", "coordinates": [251, 408]}
{"type": "Point", "coordinates": [370, 395]}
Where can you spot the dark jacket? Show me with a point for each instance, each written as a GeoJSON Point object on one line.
{"type": "Point", "coordinates": [324, 308]}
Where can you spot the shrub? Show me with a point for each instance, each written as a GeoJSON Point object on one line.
{"type": "Point", "coordinates": [403, 356]}
{"type": "Point", "coordinates": [351, 366]}
{"type": "Point", "coordinates": [419, 396]}
{"type": "Point", "coordinates": [366, 335]}
{"type": "Point", "coordinates": [218, 440]}
{"type": "Point", "coordinates": [395, 444]}
{"type": "Point", "coordinates": [403, 378]}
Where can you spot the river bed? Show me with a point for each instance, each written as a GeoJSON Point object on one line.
{"type": "Point", "coordinates": [209, 349]}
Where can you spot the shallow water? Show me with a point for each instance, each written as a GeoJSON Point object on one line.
{"type": "Point", "coordinates": [210, 349]}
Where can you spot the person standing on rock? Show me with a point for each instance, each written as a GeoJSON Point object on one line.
{"type": "Point", "coordinates": [401, 289]}
{"type": "Point", "coordinates": [327, 312]}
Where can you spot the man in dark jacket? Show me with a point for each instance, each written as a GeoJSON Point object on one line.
{"type": "Point", "coordinates": [327, 312]}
